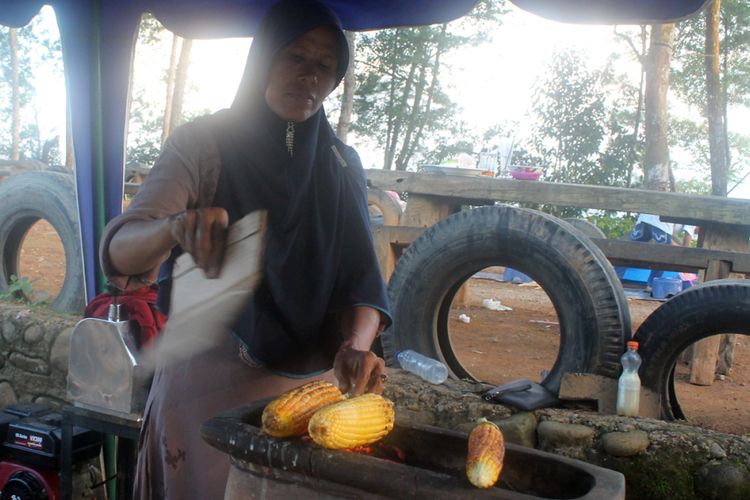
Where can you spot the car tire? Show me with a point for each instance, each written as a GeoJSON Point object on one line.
{"type": "Point", "coordinates": [24, 199]}
{"type": "Point", "coordinates": [590, 303]}
{"type": "Point", "coordinates": [711, 308]}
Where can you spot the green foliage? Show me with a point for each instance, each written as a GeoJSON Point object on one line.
{"type": "Point", "coordinates": [613, 224]}
{"type": "Point", "coordinates": [580, 135]}
{"type": "Point", "coordinates": [688, 75]}
{"type": "Point", "coordinates": [400, 99]}
{"type": "Point", "coordinates": [19, 289]}
{"type": "Point", "coordinates": [690, 137]}
{"type": "Point", "coordinates": [689, 81]}
{"type": "Point", "coordinates": [36, 47]}
{"type": "Point", "coordinates": [584, 131]}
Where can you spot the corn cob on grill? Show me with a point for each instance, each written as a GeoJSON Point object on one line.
{"type": "Point", "coordinates": [288, 414]}
{"type": "Point", "coordinates": [485, 457]}
{"type": "Point", "coordinates": [354, 422]}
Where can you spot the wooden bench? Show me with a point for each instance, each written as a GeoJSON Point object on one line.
{"type": "Point", "coordinates": [723, 240]}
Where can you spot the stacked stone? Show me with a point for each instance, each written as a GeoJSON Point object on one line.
{"type": "Point", "coordinates": [34, 347]}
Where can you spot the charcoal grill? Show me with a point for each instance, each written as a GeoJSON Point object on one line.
{"type": "Point", "coordinates": [427, 462]}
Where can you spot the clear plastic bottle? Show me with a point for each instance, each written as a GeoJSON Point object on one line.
{"type": "Point", "coordinates": [429, 369]}
{"type": "Point", "coordinates": [629, 385]}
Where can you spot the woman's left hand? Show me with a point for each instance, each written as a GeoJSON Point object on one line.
{"type": "Point", "coordinates": [359, 371]}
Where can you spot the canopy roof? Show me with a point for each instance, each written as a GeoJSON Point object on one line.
{"type": "Point", "coordinates": [98, 38]}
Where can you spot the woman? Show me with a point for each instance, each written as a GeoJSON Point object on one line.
{"type": "Point", "coordinates": [321, 302]}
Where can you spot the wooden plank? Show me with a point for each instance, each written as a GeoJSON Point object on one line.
{"type": "Point", "coordinates": [676, 205]}
{"type": "Point", "coordinates": [630, 253]}
{"type": "Point", "coordinates": [676, 258]}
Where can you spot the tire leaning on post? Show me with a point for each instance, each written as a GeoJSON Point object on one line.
{"type": "Point", "coordinates": [711, 308]}
{"type": "Point", "coordinates": [581, 284]}
{"type": "Point", "coordinates": [24, 199]}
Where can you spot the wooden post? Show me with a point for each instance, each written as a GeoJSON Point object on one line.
{"type": "Point", "coordinates": [424, 211]}
{"type": "Point", "coordinates": [706, 351]}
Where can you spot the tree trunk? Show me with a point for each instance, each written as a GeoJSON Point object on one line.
{"type": "Point", "coordinates": [656, 161]}
{"type": "Point", "coordinates": [430, 92]}
{"type": "Point", "coordinates": [179, 84]}
{"type": "Point", "coordinates": [714, 106]}
{"type": "Point", "coordinates": [398, 111]}
{"type": "Point", "coordinates": [411, 119]}
{"type": "Point", "coordinates": [347, 98]}
{"type": "Point", "coordinates": [171, 74]}
{"type": "Point", "coordinates": [15, 124]}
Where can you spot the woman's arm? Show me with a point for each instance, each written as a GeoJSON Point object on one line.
{"type": "Point", "coordinates": [358, 369]}
{"type": "Point", "coordinates": [141, 245]}
{"type": "Point", "coordinates": [136, 242]}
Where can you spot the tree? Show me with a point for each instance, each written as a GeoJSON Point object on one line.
{"type": "Point", "coordinates": [401, 99]}
{"type": "Point", "coordinates": [15, 120]}
{"type": "Point", "coordinates": [730, 35]}
{"type": "Point", "coordinates": [581, 135]}
{"type": "Point", "coordinates": [147, 128]}
{"type": "Point", "coordinates": [656, 166]}
{"type": "Point", "coordinates": [347, 96]}
{"type": "Point", "coordinates": [717, 133]}
{"type": "Point", "coordinates": [180, 80]}
{"type": "Point", "coordinates": [22, 51]}
{"type": "Point", "coordinates": [639, 52]}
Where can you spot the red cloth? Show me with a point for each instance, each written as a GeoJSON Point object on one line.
{"type": "Point", "coordinates": [136, 305]}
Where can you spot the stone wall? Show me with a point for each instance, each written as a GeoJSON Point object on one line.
{"type": "Point", "coordinates": [660, 460]}
{"type": "Point", "coordinates": [34, 346]}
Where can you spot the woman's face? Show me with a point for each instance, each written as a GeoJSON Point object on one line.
{"type": "Point", "coordinates": [303, 74]}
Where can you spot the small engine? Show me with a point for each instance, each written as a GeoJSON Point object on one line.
{"type": "Point", "coordinates": [30, 453]}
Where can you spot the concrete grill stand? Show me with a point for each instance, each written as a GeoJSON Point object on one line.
{"type": "Point", "coordinates": [433, 466]}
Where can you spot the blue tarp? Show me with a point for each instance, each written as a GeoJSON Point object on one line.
{"type": "Point", "coordinates": [98, 38]}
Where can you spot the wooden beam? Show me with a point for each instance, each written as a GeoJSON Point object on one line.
{"type": "Point", "coordinates": [671, 257]}
{"type": "Point", "coordinates": [676, 205]}
{"type": "Point", "coordinates": [619, 252]}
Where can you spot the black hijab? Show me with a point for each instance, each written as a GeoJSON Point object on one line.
{"type": "Point", "coordinates": [319, 255]}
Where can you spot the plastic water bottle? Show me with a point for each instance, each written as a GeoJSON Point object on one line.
{"type": "Point", "coordinates": [629, 385]}
{"type": "Point", "coordinates": [431, 370]}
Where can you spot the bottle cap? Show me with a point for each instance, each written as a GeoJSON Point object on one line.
{"type": "Point", "coordinates": [632, 344]}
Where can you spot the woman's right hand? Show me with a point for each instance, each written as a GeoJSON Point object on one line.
{"type": "Point", "coordinates": [202, 233]}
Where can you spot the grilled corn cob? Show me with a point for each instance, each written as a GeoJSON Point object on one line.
{"type": "Point", "coordinates": [354, 422]}
{"type": "Point", "coordinates": [486, 451]}
{"type": "Point", "coordinates": [288, 414]}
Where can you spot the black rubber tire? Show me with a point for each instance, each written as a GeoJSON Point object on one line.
{"type": "Point", "coordinates": [712, 308]}
{"type": "Point", "coordinates": [586, 227]}
{"type": "Point", "coordinates": [390, 209]}
{"type": "Point", "coordinates": [590, 303]}
{"type": "Point", "coordinates": [24, 199]}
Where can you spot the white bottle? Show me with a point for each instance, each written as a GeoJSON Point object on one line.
{"type": "Point", "coordinates": [429, 369]}
{"type": "Point", "coordinates": [629, 384]}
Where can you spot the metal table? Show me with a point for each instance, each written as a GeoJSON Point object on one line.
{"type": "Point", "coordinates": [126, 429]}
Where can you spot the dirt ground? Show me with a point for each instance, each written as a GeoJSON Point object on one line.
{"type": "Point", "coordinates": [501, 346]}
{"type": "Point", "coordinates": [495, 346]}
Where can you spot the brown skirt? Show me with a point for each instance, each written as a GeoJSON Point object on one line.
{"type": "Point", "coordinates": [173, 461]}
